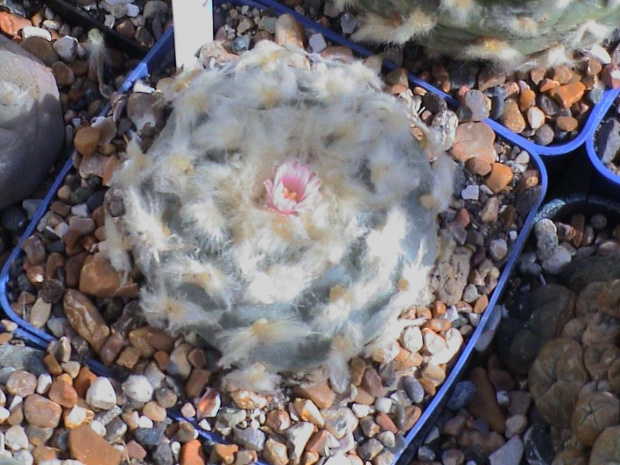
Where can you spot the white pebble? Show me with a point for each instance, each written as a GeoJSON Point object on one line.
{"type": "Point", "coordinates": [138, 388]}
{"type": "Point", "coordinates": [502, 398]}
{"type": "Point", "coordinates": [317, 43]}
{"type": "Point", "coordinates": [383, 404]}
{"type": "Point", "coordinates": [44, 383]}
{"type": "Point", "coordinates": [15, 438]}
{"type": "Point", "coordinates": [24, 457]}
{"type": "Point", "coordinates": [133, 10]}
{"type": "Point", "coordinates": [101, 394]}
{"type": "Point", "coordinates": [145, 422]}
{"type": "Point", "coordinates": [31, 31]}
{"type": "Point", "coordinates": [98, 427]}
{"type": "Point", "coordinates": [411, 339]}
{"type": "Point", "coordinates": [600, 54]}
{"type": "Point", "coordinates": [471, 192]}
{"type": "Point", "coordinates": [205, 425]}
{"type": "Point", "coordinates": [4, 414]}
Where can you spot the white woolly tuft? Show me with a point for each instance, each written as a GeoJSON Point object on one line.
{"type": "Point", "coordinates": [254, 378]}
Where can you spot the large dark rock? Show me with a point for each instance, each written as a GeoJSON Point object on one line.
{"type": "Point", "coordinates": [31, 125]}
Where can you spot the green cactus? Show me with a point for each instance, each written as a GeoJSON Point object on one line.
{"type": "Point", "coordinates": [511, 32]}
{"type": "Point", "coordinates": [285, 215]}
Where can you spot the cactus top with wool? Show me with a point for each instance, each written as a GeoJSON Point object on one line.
{"type": "Point", "coordinates": [285, 214]}
{"type": "Point", "coordinates": [511, 32]}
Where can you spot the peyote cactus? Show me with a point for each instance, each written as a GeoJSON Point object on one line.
{"type": "Point", "coordinates": [285, 214]}
{"type": "Point", "coordinates": [511, 32]}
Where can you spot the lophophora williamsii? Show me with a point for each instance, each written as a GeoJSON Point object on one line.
{"type": "Point", "coordinates": [285, 215]}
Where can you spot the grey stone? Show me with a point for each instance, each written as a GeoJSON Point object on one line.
{"type": "Point", "coordinates": [31, 125]}
{"type": "Point", "coordinates": [473, 107]}
{"type": "Point", "coordinates": [250, 438]}
{"type": "Point", "coordinates": [608, 141]}
{"type": "Point", "coordinates": [22, 358]}
{"type": "Point", "coordinates": [462, 395]}
{"type": "Point", "coordinates": [509, 454]}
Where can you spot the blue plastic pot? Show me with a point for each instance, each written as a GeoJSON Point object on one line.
{"type": "Point", "coordinates": [605, 182]}
{"type": "Point", "coordinates": [404, 450]}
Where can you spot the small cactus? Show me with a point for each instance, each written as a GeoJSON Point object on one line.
{"type": "Point", "coordinates": [511, 32]}
{"type": "Point", "coordinates": [285, 215]}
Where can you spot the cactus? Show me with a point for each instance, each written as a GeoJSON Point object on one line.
{"type": "Point", "coordinates": [511, 32]}
{"type": "Point", "coordinates": [285, 215]}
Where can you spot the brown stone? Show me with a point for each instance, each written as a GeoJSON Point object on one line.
{"type": "Point", "coordinates": [99, 278]}
{"type": "Point", "coordinates": [112, 348]}
{"type": "Point", "coordinates": [192, 454]}
{"type": "Point", "coordinates": [52, 365]}
{"type": "Point", "coordinates": [568, 94]}
{"type": "Point", "coordinates": [512, 118]}
{"type": "Point", "coordinates": [11, 24]}
{"type": "Point", "coordinates": [566, 123]}
{"type": "Point", "coordinates": [63, 393]}
{"type": "Point", "coordinates": [527, 99]}
{"type": "Point", "coordinates": [154, 411]}
{"type": "Point", "coordinates": [88, 447]}
{"type": "Point", "coordinates": [138, 339]}
{"type": "Point", "coordinates": [371, 382]}
{"type": "Point", "coordinates": [474, 140]}
{"type": "Point", "coordinates": [41, 412]}
{"type": "Point", "coordinates": [135, 451]}
{"type": "Point", "coordinates": [500, 177]}
{"type": "Point", "coordinates": [73, 267]}
{"type": "Point", "coordinates": [385, 423]}
{"type": "Point", "coordinates": [160, 340]}
{"type": "Point", "coordinates": [196, 383]}
{"type": "Point", "coordinates": [41, 453]}
{"type": "Point", "coordinates": [85, 318]}
{"type": "Point", "coordinates": [21, 383]}
{"type": "Point", "coordinates": [224, 453]}
{"type": "Point", "coordinates": [321, 394]}
{"type": "Point", "coordinates": [86, 140]}
{"type": "Point", "coordinates": [128, 357]}
{"type": "Point", "coordinates": [484, 404]}
{"type": "Point", "coordinates": [275, 452]}
{"type": "Point", "coordinates": [63, 74]}
{"type": "Point", "coordinates": [278, 420]}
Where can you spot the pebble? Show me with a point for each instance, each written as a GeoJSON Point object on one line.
{"type": "Point", "coordinates": [317, 43]}
{"type": "Point", "coordinates": [66, 48]}
{"type": "Point", "coordinates": [558, 261]}
{"type": "Point", "coordinates": [509, 454]}
{"type": "Point", "coordinates": [101, 394]}
{"type": "Point", "coordinates": [15, 438]}
{"type": "Point", "coordinates": [21, 383]}
{"type": "Point", "coordinates": [471, 192]}
{"type": "Point", "coordinates": [250, 438]}
{"type": "Point", "coordinates": [41, 412]}
{"type": "Point", "coordinates": [138, 388]}
{"type": "Point", "coordinates": [498, 248]}
{"type": "Point", "coordinates": [473, 107]}
{"type": "Point", "coordinates": [512, 118]}
{"type": "Point", "coordinates": [88, 447]}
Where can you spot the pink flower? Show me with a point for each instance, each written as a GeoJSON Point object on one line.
{"type": "Point", "coordinates": [293, 188]}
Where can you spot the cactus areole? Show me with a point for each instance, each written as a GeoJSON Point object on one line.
{"type": "Point", "coordinates": [285, 215]}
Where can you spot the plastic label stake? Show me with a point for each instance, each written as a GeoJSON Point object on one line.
{"type": "Point", "coordinates": [193, 27]}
